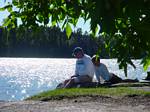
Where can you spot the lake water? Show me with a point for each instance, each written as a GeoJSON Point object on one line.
{"type": "Point", "coordinates": [23, 77]}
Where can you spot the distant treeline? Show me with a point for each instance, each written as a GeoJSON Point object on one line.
{"type": "Point", "coordinates": [46, 42]}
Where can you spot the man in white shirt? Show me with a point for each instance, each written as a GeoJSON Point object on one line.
{"type": "Point", "coordinates": [102, 71]}
{"type": "Point", "coordinates": [84, 70]}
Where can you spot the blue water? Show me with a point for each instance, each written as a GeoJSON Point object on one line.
{"type": "Point", "coordinates": [23, 77]}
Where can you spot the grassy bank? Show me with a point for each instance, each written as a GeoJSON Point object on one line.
{"type": "Point", "coordinates": [59, 94]}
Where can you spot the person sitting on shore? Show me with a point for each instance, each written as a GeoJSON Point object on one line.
{"type": "Point", "coordinates": [84, 70]}
{"type": "Point", "coordinates": [102, 71]}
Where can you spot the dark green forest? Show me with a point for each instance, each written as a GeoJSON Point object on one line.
{"type": "Point", "coordinates": [47, 42]}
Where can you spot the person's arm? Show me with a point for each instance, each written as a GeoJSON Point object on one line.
{"type": "Point", "coordinates": [74, 75]}
{"type": "Point", "coordinates": [87, 67]}
{"type": "Point", "coordinates": [97, 76]}
{"type": "Point", "coordinates": [76, 70]}
{"type": "Point", "coordinates": [105, 73]}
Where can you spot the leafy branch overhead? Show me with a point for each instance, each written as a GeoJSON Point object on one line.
{"type": "Point", "coordinates": [126, 22]}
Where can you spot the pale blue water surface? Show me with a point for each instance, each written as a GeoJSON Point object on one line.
{"type": "Point", "coordinates": [23, 77]}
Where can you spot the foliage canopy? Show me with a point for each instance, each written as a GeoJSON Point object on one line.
{"type": "Point", "coordinates": [124, 24]}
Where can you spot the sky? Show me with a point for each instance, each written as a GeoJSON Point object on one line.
{"type": "Point", "coordinates": [2, 14]}
{"type": "Point", "coordinates": [81, 24]}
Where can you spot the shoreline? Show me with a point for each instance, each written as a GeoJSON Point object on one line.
{"type": "Point", "coordinates": [87, 102]}
{"type": "Point", "coordinates": [84, 104]}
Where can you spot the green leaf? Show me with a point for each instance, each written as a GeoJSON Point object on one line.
{"type": "Point", "coordinates": [146, 62]}
{"type": "Point", "coordinates": [7, 21]}
{"type": "Point", "coordinates": [53, 23]}
{"type": "Point", "coordinates": [15, 3]}
{"type": "Point", "coordinates": [54, 20]}
{"type": "Point", "coordinates": [68, 30]}
{"type": "Point", "coordinates": [74, 21]}
{"type": "Point", "coordinates": [40, 18]}
{"type": "Point", "coordinates": [9, 9]}
{"type": "Point", "coordinates": [95, 31]}
{"type": "Point", "coordinates": [62, 1]}
{"type": "Point", "coordinates": [5, 7]}
{"type": "Point", "coordinates": [2, 9]}
{"type": "Point", "coordinates": [119, 21]}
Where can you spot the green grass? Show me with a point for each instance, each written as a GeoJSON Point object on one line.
{"type": "Point", "coordinates": [75, 92]}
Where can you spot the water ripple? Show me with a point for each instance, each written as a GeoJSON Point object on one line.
{"type": "Point", "coordinates": [23, 77]}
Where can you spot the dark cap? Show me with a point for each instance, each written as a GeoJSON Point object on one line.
{"type": "Point", "coordinates": [76, 50]}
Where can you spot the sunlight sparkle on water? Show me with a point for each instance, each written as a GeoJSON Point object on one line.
{"type": "Point", "coordinates": [23, 77]}
{"type": "Point", "coordinates": [31, 75]}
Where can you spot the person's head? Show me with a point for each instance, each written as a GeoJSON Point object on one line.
{"type": "Point", "coordinates": [78, 52]}
{"type": "Point", "coordinates": [96, 60]}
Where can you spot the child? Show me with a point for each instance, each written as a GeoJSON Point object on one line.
{"type": "Point", "coordinates": [102, 71]}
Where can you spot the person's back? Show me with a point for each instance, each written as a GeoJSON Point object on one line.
{"type": "Point", "coordinates": [84, 66]}
{"type": "Point", "coordinates": [102, 71]}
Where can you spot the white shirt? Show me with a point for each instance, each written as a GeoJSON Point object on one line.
{"type": "Point", "coordinates": [84, 66]}
{"type": "Point", "coordinates": [102, 71]}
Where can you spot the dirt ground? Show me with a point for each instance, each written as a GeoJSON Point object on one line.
{"type": "Point", "coordinates": [81, 104]}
